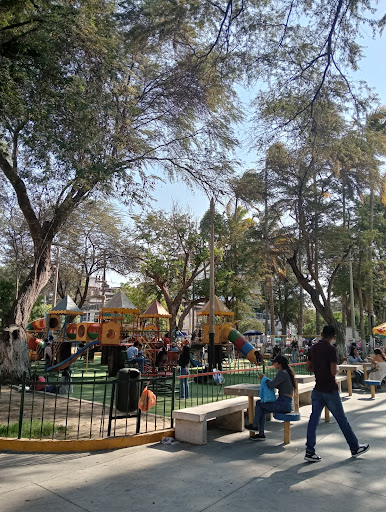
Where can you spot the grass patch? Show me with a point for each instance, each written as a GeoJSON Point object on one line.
{"type": "Point", "coordinates": [35, 431]}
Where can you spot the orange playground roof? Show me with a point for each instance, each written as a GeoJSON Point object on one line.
{"type": "Point", "coordinates": [220, 308]}
{"type": "Point", "coordinates": [155, 310]}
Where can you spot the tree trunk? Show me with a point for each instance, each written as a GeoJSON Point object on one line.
{"type": "Point", "coordinates": [362, 319]}
{"type": "Point", "coordinates": [14, 353]}
{"type": "Point", "coordinates": [301, 301]}
{"type": "Point", "coordinates": [370, 294]}
{"type": "Point", "coordinates": [271, 306]}
{"type": "Point", "coordinates": [318, 327]}
{"type": "Point", "coordinates": [324, 309]}
{"type": "Point", "coordinates": [344, 313]}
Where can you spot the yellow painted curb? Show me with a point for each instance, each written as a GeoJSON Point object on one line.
{"type": "Point", "coordinates": [82, 445]}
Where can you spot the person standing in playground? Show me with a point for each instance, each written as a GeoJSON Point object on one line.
{"type": "Point", "coordinates": [183, 362]}
{"type": "Point", "coordinates": [322, 360]}
{"type": "Point", "coordinates": [48, 356]}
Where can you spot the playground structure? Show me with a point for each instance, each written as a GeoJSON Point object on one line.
{"type": "Point", "coordinates": [152, 321]}
{"type": "Point", "coordinates": [224, 332]}
{"type": "Point", "coordinates": [119, 325]}
{"type": "Point", "coordinates": [56, 323]}
{"type": "Point", "coordinates": [222, 317]}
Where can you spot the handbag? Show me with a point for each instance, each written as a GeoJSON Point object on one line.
{"type": "Point", "coordinates": [147, 400]}
{"type": "Point", "coordinates": [265, 393]}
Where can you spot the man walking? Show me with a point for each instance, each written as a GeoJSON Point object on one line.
{"type": "Point", "coordinates": [322, 360]}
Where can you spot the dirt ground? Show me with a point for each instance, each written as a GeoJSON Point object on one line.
{"type": "Point", "coordinates": [81, 419]}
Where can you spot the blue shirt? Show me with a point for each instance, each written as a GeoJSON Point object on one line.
{"type": "Point", "coordinates": [132, 353]}
{"type": "Point", "coordinates": [353, 360]}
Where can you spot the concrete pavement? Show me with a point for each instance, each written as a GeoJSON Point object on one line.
{"type": "Point", "coordinates": [230, 473]}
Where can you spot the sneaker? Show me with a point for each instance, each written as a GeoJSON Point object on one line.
{"type": "Point", "coordinates": [251, 427]}
{"type": "Point", "coordinates": [259, 437]}
{"type": "Point", "coordinates": [362, 449]}
{"type": "Point", "coordinates": [312, 457]}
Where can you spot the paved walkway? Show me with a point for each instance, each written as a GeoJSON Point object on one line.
{"type": "Point", "coordinates": [230, 473]}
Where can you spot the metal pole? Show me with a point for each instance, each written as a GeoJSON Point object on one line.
{"type": "Point", "coordinates": [56, 278]}
{"type": "Point", "coordinates": [193, 319]}
{"type": "Point", "coordinates": [211, 354]}
{"type": "Point", "coordinates": [21, 412]}
{"type": "Point", "coordinates": [352, 306]}
{"type": "Point", "coordinates": [173, 397]}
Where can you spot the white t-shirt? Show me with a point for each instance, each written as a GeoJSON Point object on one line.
{"type": "Point", "coordinates": [48, 352]}
{"type": "Point", "coordinates": [379, 374]}
{"type": "Point", "coordinates": [132, 353]}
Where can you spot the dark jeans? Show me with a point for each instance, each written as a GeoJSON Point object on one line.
{"type": "Point", "coordinates": [359, 377]}
{"type": "Point", "coordinates": [282, 404]}
{"type": "Point", "coordinates": [334, 404]}
{"type": "Point", "coordinates": [141, 361]}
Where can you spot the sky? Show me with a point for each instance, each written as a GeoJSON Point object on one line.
{"type": "Point", "coordinates": [371, 69]}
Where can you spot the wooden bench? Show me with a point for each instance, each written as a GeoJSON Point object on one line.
{"type": "Point", "coordinates": [372, 384]}
{"type": "Point", "coordinates": [287, 418]}
{"type": "Point", "coordinates": [191, 423]}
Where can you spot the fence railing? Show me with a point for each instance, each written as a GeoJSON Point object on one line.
{"type": "Point", "coordinates": [85, 408]}
{"type": "Point", "coordinates": [96, 406]}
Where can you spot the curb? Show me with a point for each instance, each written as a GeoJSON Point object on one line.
{"type": "Point", "coordinates": [82, 445]}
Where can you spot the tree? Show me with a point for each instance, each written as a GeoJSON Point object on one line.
{"type": "Point", "coordinates": [93, 93]}
{"type": "Point", "coordinates": [92, 239]}
{"type": "Point", "coordinates": [91, 97]}
{"type": "Point", "coordinates": [286, 292]}
{"type": "Point", "coordinates": [172, 254]}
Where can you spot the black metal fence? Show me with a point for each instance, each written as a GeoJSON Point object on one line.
{"type": "Point", "coordinates": [96, 406]}
{"type": "Point", "coordinates": [87, 407]}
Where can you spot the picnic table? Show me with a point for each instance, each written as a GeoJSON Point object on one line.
{"type": "Point", "coordinates": [249, 390]}
{"type": "Point", "coordinates": [350, 368]}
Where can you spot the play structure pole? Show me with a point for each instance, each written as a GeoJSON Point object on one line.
{"type": "Point", "coordinates": [211, 353]}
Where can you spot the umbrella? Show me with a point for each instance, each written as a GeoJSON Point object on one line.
{"type": "Point", "coordinates": [252, 333]}
{"type": "Point", "coordinates": [380, 329]}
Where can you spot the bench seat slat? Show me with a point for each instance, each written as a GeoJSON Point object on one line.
{"type": "Point", "coordinates": [211, 410]}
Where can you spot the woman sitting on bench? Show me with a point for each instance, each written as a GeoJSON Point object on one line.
{"type": "Point", "coordinates": [378, 371]}
{"type": "Point", "coordinates": [285, 382]}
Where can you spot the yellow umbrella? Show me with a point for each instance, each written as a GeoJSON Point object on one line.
{"type": "Point", "coordinates": [380, 329]}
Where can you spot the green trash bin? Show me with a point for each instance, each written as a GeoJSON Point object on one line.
{"type": "Point", "coordinates": [127, 389]}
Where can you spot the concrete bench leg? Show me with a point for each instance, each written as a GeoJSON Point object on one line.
{"type": "Point", "coordinates": [305, 398]}
{"type": "Point", "coordinates": [233, 421]}
{"type": "Point", "coordinates": [193, 432]}
{"type": "Point", "coordinates": [287, 432]}
{"type": "Point", "coordinates": [326, 415]}
{"type": "Point", "coordinates": [296, 401]}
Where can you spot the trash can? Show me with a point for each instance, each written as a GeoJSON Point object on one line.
{"type": "Point", "coordinates": [127, 392]}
